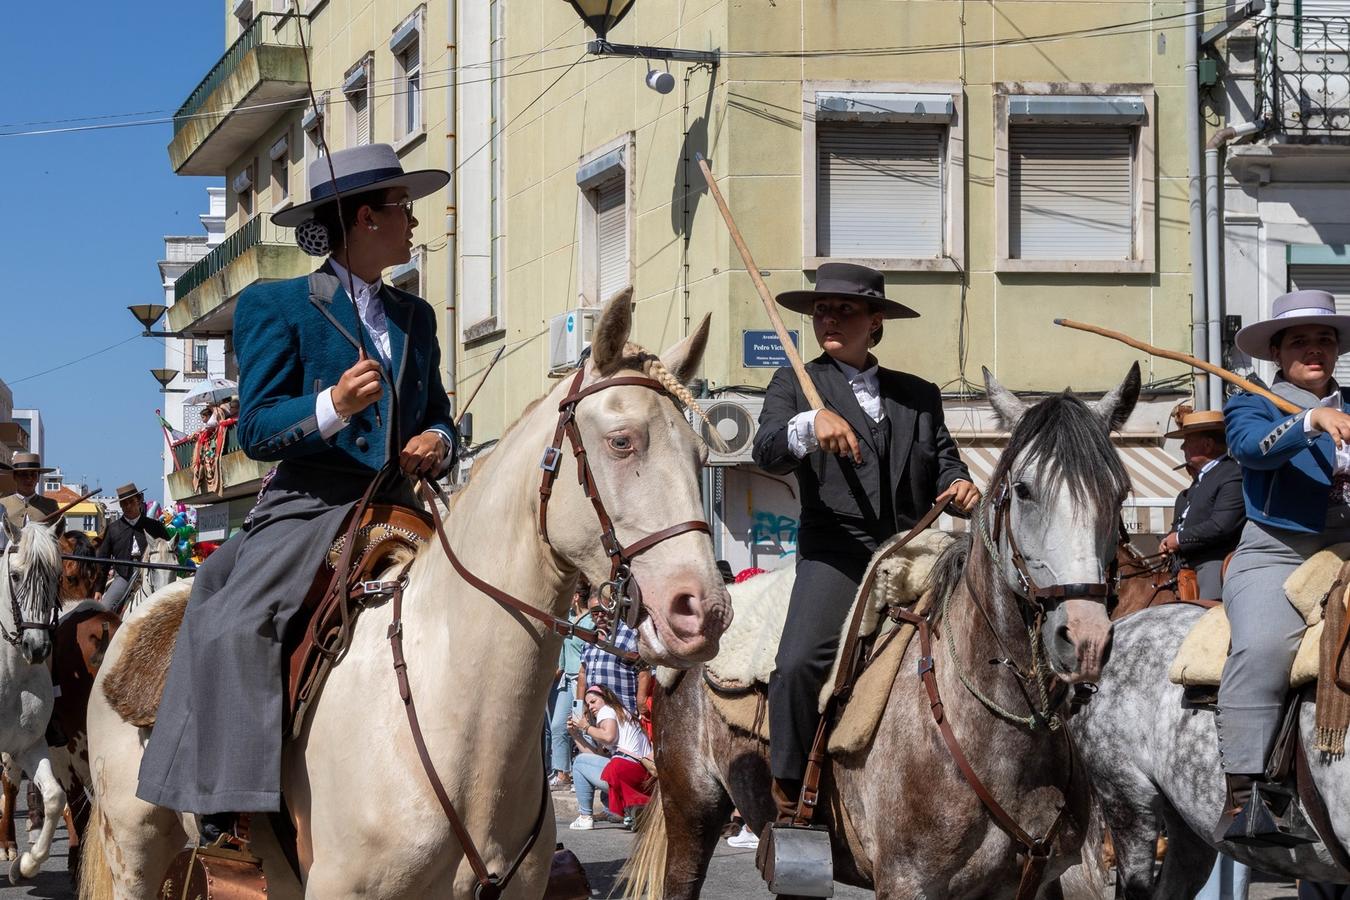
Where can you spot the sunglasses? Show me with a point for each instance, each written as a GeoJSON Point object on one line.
{"type": "Point", "coordinates": [405, 205]}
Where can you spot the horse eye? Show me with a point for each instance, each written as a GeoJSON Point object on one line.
{"type": "Point", "coordinates": [1023, 492]}
{"type": "Point", "coordinates": [621, 443]}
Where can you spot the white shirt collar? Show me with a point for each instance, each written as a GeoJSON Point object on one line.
{"type": "Point", "coordinates": [364, 291]}
{"type": "Point", "coordinates": [133, 522]}
{"type": "Point", "coordinates": [1209, 465]}
{"type": "Point", "coordinates": [853, 374]}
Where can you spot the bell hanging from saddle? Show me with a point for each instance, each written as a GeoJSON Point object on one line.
{"type": "Point", "coordinates": [226, 870]}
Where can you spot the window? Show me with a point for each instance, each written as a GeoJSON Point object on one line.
{"type": "Point", "coordinates": [406, 47]}
{"type": "Point", "coordinates": [408, 277]}
{"type": "Point", "coordinates": [884, 175]}
{"type": "Point", "coordinates": [313, 127]}
{"type": "Point", "coordinates": [1334, 279]}
{"type": "Point", "coordinates": [194, 358]}
{"type": "Point", "coordinates": [280, 153]}
{"type": "Point", "coordinates": [1323, 25]}
{"type": "Point", "coordinates": [1074, 180]}
{"type": "Point", "coordinates": [356, 87]}
{"type": "Point", "coordinates": [243, 191]}
{"type": "Point", "coordinates": [603, 183]}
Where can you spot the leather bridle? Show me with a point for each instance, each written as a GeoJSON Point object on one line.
{"type": "Point", "coordinates": [619, 596]}
{"type": "Point", "coordinates": [15, 637]}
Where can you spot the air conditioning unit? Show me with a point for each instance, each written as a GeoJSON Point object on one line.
{"type": "Point", "coordinates": [736, 420]}
{"type": "Point", "coordinates": [569, 334]}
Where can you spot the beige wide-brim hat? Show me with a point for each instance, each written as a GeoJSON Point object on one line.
{"type": "Point", "coordinates": [370, 167]}
{"type": "Point", "coordinates": [1197, 422]}
{"type": "Point", "coordinates": [25, 461]}
{"type": "Point", "coordinates": [1288, 310]}
{"type": "Point", "coordinates": [128, 491]}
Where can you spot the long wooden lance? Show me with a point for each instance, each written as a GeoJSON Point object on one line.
{"type": "Point", "coordinates": [789, 349]}
{"type": "Point", "coordinates": [486, 372]}
{"type": "Point", "coordinates": [1231, 377]}
{"type": "Point", "coordinates": [53, 517]}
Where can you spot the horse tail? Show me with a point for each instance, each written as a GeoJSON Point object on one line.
{"type": "Point", "coordinates": [644, 875]}
{"type": "Point", "coordinates": [96, 877]}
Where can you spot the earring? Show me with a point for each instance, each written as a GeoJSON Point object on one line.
{"type": "Point", "coordinates": [374, 228]}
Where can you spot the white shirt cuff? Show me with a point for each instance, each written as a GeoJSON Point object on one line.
{"type": "Point", "coordinates": [801, 433]}
{"type": "Point", "coordinates": [1307, 422]}
{"type": "Point", "coordinates": [330, 423]}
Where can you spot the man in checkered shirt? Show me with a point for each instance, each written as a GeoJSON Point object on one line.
{"type": "Point", "coordinates": [599, 666]}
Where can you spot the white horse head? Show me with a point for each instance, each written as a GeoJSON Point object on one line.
{"type": "Point", "coordinates": [30, 589]}
{"type": "Point", "coordinates": [1064, 510]}
{"type": "Point", "coordinates": [646, 463]}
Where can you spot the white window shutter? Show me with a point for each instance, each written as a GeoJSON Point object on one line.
{"type": "Point", "coordinates": [611, 232]}
{"type": "Point", "coordinates": [1070, 192]}
{"type": "Point", "coordinates": [879, 190]}
{"type": "Point", "coordinates": [1335, 280]}
{"type": "Point", "coordinates": [361, 108]}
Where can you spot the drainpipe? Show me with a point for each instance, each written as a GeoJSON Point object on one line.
{"type": "Point", "coordinates": [1214, 242]}
{"type": "Point", "coordinates": [1195, 179]}
{"type": "Point", "coordinates": [450, 356]}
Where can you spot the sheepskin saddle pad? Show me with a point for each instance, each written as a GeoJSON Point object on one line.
{"type": "Point", "coordinates": [1201, 659]}
{"type": "Point", "coordinates": [750, 645]}
{"type": "Point", "coordinates": [134, 684]}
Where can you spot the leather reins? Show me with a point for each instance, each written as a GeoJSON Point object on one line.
{"type": "Point", "coordinates": [623, 592]}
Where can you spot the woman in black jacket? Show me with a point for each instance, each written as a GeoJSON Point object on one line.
{"type": "Point", "coordinates": [869, 465]}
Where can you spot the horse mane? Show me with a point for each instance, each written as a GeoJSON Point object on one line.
{"type": "Point", "coordinates": [948, 568]}
{"type": "Point", "coordinates": [1070, 442]}
{"type": "Point", "coordinates": [39, 559]}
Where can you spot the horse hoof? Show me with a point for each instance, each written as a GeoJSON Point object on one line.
{"type": "Point", "coordinates": [29, 865]}
{"type": "Point", "coordinates": [14, 873]}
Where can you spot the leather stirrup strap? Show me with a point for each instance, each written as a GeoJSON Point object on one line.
{"type": "Point", "coordinates": [1314, 805]}
{"type": "Point", "coordinates": [819, 755]}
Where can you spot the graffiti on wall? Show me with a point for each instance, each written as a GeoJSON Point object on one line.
{"type": "Point", "coordinates": [772, 529]}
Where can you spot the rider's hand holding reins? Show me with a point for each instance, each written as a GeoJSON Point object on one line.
{"type": "Point", "coordinates": [1333, 422]}
{"type": "Point", "coordinates": [358, 388]}
{"type": "Point", "coordinates": [964, 495]}
{"type": "Point", "coordinates": [836, 436]}
{"type": "Point", "coordinates": [422, 455]}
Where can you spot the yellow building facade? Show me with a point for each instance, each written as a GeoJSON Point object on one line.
{"type": "Point", "coordinates": [1005, 163]}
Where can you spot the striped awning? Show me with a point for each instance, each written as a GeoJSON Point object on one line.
{"type": "Point", "coordinates": [1154, 484]}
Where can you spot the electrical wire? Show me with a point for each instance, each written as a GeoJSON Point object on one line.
{"type": "Point", "coordinates": [66, 365]}
{"type": "Point", "coordinates": [1109, 30]}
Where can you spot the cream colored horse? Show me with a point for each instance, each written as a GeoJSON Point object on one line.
{"type": "Point", "coordinates": [479, 674]}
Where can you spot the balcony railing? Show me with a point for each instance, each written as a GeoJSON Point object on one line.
{"type": "Point", "coordinates": [257, 230]}
{"type": "Point", "coordinates": [185, 448]}
{"type": "Point", "coordinates": [1303, 75]}
{"type": "Point", "coordinates": [267, 28]}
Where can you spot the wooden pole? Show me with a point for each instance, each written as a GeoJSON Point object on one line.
{"type": "Point", "coordinates": [1231, 377]}
{"type": "Point", "coordinates": [789, 349]}
{"type": "Point", "coordinates": [486, 372]}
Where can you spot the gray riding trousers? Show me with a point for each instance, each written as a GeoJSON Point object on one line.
{"type": "Point", "coordinates": [1266, 634]}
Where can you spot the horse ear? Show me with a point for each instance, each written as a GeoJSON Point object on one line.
{"type": "Point", "coordinates": [12, 533]}
{"type": "Point", "coordinates": [1116, 406]}
{"type": "Point", "coordinates": [682, 360]}
{"type": "Point", "coordinates": [1006, 405]}
{"type": "Point", "coordinates": [611, 334]}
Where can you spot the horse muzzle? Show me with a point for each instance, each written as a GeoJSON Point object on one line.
{"type": "Point", "coordinates": [1078, 640]}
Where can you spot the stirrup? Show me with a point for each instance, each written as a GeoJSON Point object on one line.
{"type": "Point", "coordinates": [1272, 817]}
{"type": "Point", "coordinates": [797, 860]}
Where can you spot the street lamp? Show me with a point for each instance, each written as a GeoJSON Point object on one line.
{"type": "Point", "coordinates": [601, 15]}
{"type": "Point", "coordinates": [148, 314]}
{"type": "Point", "coordinates": [164, 376]}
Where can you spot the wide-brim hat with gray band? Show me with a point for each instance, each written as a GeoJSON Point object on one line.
{"type": "Point", "coordinates": [1288, 310]}
{"type": "Point", "coordinates": [127, 491]}
{"type": "Point", "coordinates": [25, 461]}
{"type": "Point", "coordinates": [370, 167]}
{"type": "Point", "coordinates": [851, 281]}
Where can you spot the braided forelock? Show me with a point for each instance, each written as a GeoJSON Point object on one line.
{"type": "Point", "coordinates": [650, 364]}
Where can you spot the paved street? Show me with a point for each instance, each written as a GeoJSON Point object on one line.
{"type": "Point", "coordinates": [602, 852]}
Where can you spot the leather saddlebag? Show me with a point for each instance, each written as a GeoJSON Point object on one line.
{"type": "Point", "coordinates": [214, 873]}
{"type": "Point", "coordinates": [566, 878]}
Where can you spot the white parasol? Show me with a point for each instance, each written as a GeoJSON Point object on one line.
{"type": "Point", "coordinates": [212, 390]}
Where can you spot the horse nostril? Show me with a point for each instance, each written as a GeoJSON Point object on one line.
{"type": "Point", "coordinates": [1062, 635]}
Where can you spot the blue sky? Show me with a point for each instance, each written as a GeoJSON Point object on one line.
{"type": "Point", "coordinates": [83, 215]}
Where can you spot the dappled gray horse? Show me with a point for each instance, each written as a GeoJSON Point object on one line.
{"type": "Point", "coordinates": [913, 827]}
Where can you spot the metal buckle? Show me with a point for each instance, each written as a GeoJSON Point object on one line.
{"type": "Point", "coordinates": [925, 665]}
{"type": "Point", "coordinates": [551, 459]}
{"type": "Point", "coordinates": [371, 588]}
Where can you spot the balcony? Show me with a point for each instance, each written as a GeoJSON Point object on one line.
{"type": "Point", "coordinates": [209, 468]}
{"type": "Point", "coordinates": [248, 89]}
{"type": "Point", "coordinates": [204, 295]}
{"type": "Point", "coordinates": [1303, 77]}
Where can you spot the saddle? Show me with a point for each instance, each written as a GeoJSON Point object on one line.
{"type": "Point", "coordinates": [382, 537]}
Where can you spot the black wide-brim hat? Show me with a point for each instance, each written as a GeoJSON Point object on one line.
{"type": "Point", "coordinates": [851, 281]}
{"type": "Point", "coordinates": [370, 167]}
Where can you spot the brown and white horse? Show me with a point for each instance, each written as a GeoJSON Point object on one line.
{"type": "Point", "coordinates": [478, 672]}
{"type": "Point", "coordinates": [904, 820]}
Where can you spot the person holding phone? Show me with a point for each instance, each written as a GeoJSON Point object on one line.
{"type": "Point", "coordinates": [608, 730]}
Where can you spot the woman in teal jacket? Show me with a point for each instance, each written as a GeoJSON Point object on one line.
{"type": "Point", "coordinates": [1296, 484]}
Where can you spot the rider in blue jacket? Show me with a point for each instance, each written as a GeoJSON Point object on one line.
{"type": "Point", "coordinates": [1296, 484]}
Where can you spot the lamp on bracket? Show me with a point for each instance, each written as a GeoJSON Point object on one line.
{"type": "Point", "coordinates": [148, 314]}
{"type": "Point", "coordinates": [164, 376]}
{"type": "Point", "coordinates": [601, 15]}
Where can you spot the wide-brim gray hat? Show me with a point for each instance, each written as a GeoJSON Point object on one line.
{"type": "Point", "coordinates": [370, 167]}
{"type": "Point", "coordinates": [851, 281]}
{"type": "Point", "coordinates": [1288, 310]}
